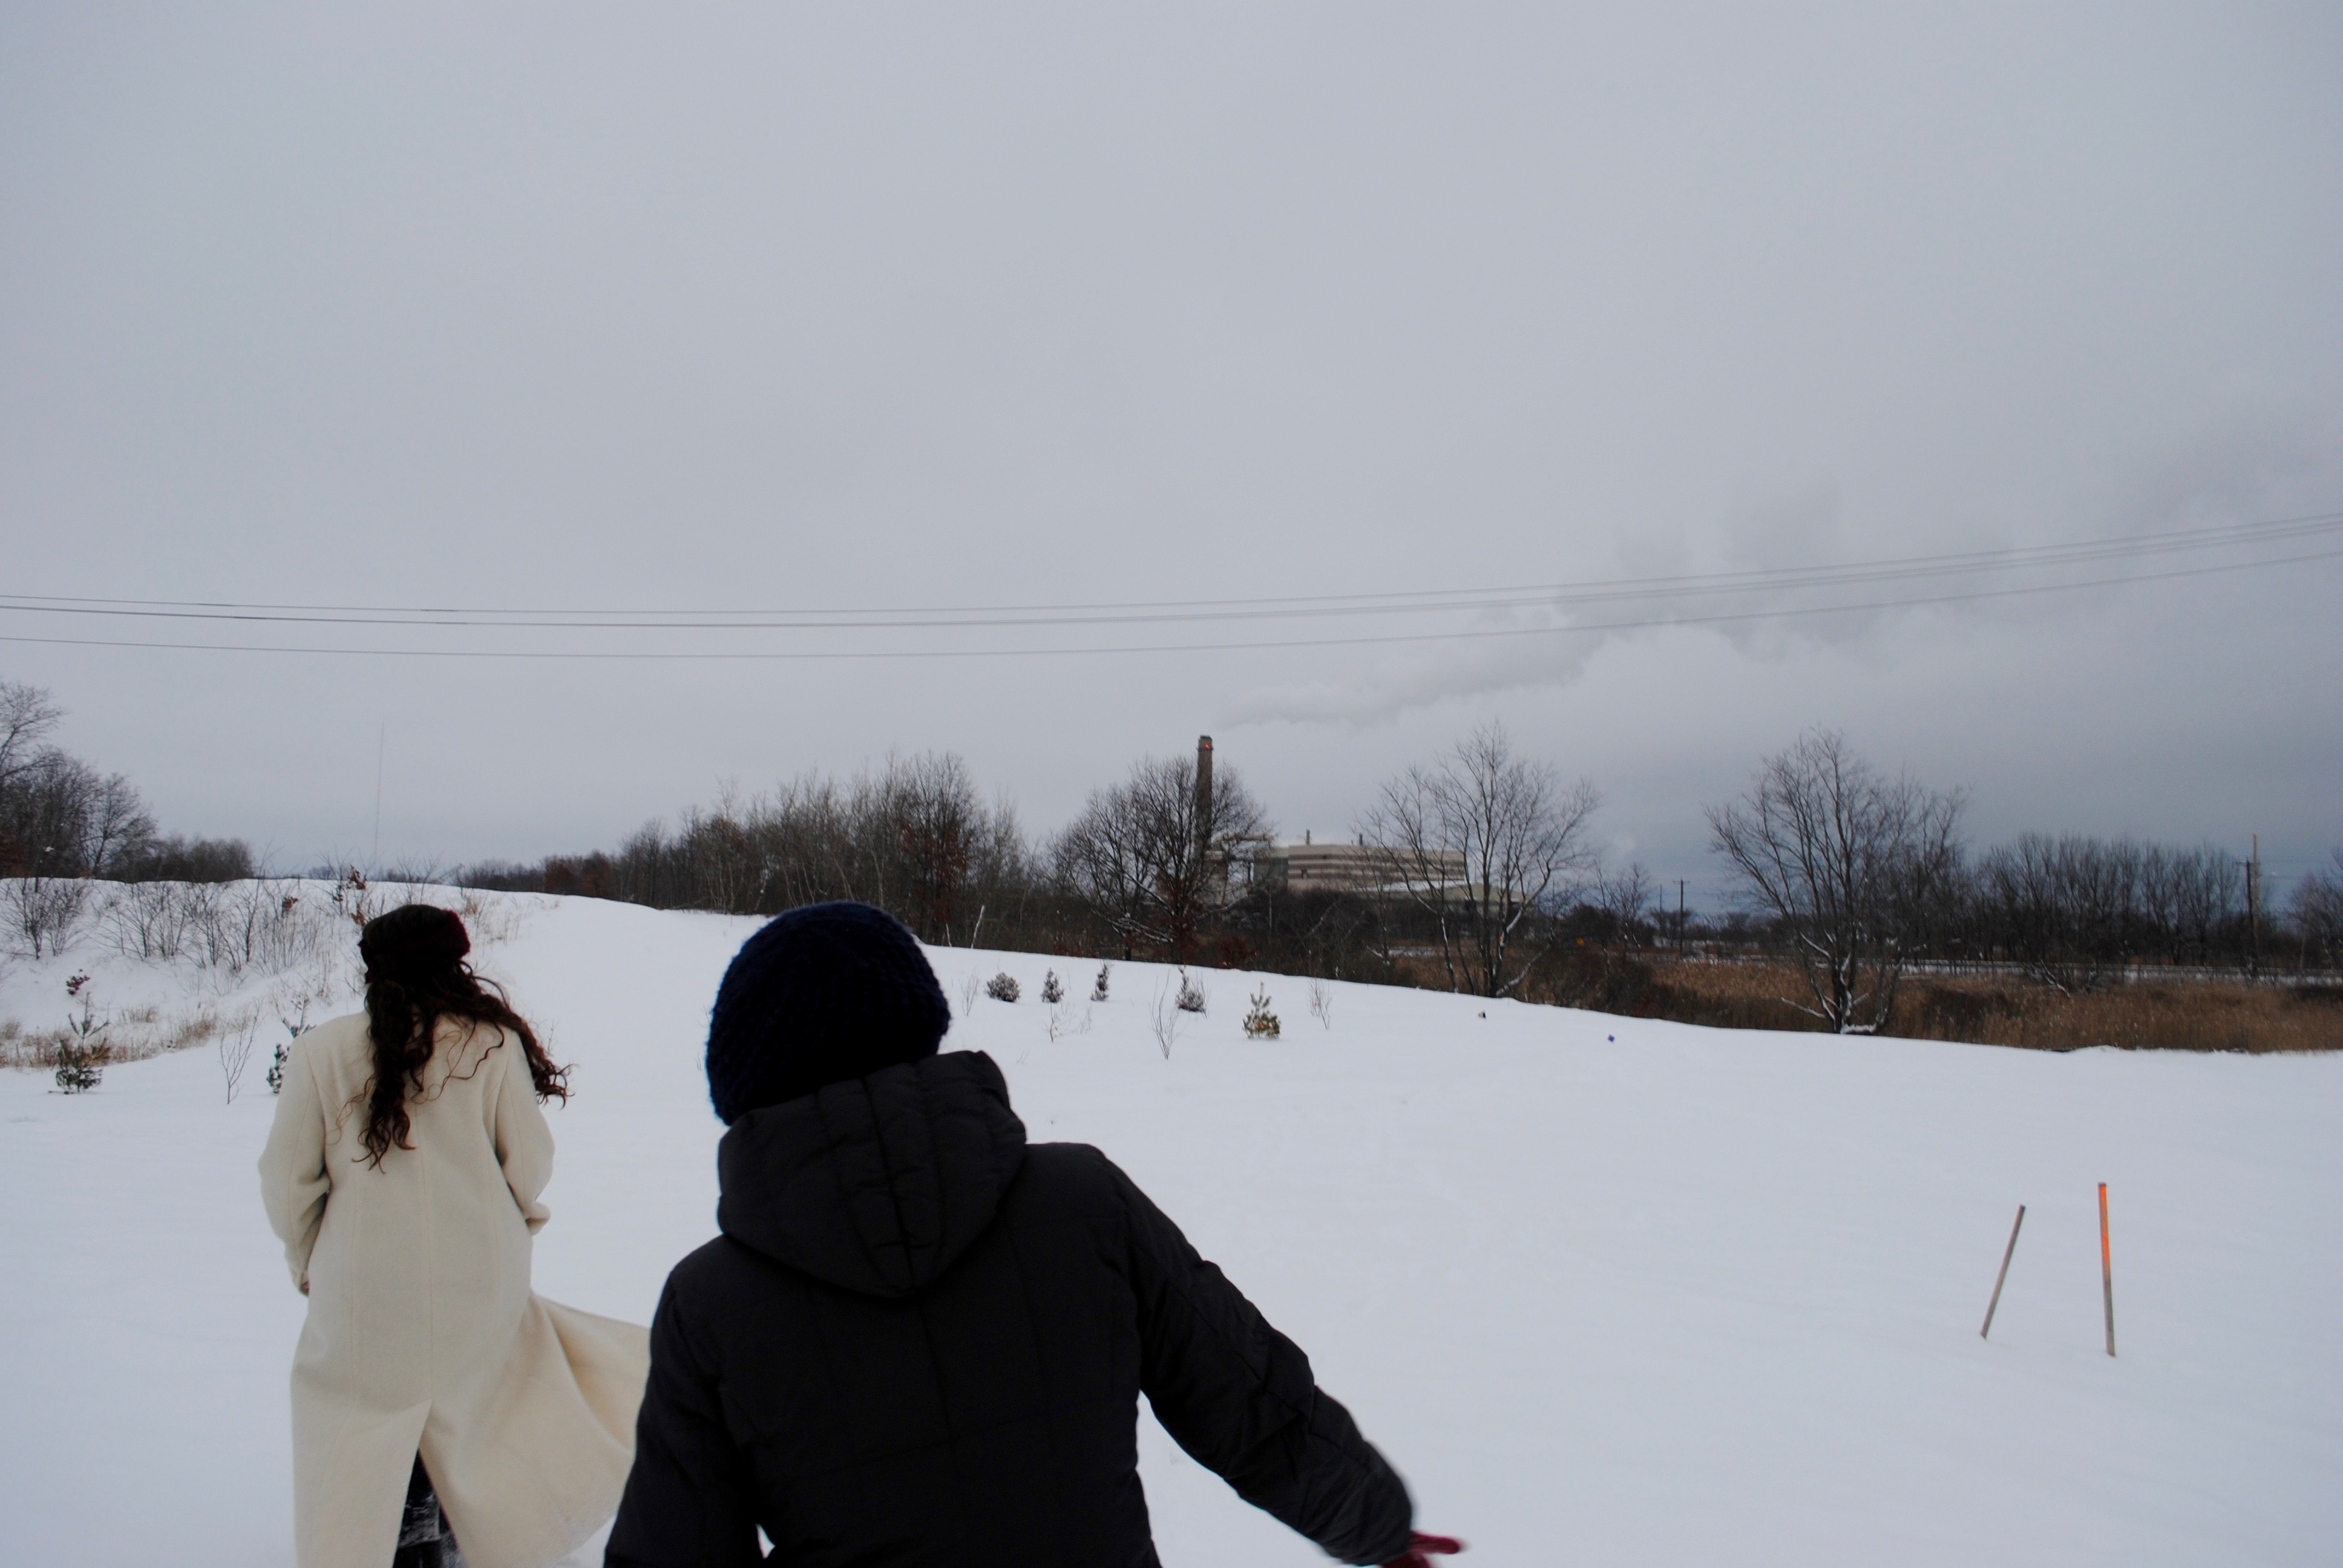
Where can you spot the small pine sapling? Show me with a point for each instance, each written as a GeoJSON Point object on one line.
{"type": "Point", "coordinates": [81, 1057]}
{"type": "Point", "coordinates": [1001, 987]}
{"type": "Point", "coordinates": [1051, 991]}
{"type": "Point", "coordinates": [1098, 986]}
{"type": "Point", "coordinates": [295, 1028]}
{"type": "Point", "coordinates": [1260, 1024]}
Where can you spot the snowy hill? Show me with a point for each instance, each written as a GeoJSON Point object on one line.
{"type": "Point", "coordinates": [1607, 1292]}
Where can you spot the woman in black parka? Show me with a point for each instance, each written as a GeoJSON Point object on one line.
{"type": "Point", "coordinates": [920, 1339]}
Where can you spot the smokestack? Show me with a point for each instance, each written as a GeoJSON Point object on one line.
{"type": "Point", "coordinates": [1204, 798]}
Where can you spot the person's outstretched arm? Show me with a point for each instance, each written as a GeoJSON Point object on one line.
{"type": "Point", "coordinates": [1239, 1396]}
{"type": "Point", "coordinates": [691, 1499]}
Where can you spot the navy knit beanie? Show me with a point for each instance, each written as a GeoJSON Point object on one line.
{"type": "Point", "coordinates": [823, 994]}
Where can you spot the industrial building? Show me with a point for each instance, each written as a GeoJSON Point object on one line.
{"type": "Point", "coordinates": [1360, 869]}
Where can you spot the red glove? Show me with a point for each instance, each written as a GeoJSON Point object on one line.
{"type": "Point", "coordinates": [1423, 1548]}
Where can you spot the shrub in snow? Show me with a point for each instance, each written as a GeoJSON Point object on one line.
{"type": "Point", "coordinates": [295, 1028]}
{"type": "Point", "coordinates": [43, 912]}
{"type": "Point", "coordinates": [1001, 987]}
{"type": "Point", "coordinates": [1321, 1002]}
{"type": "Point", "coordinates": [149, 919]}
{"type": "Point", "coordinates": [1051, 991]}
{"type": "Point", "coordinates": [352, 900]}
{"type": "Point", "coordinates": [1260, 1024]}
{"type": "Point", "coordinates": [230, 926]}
{"type": "Point", "coordinates": [235, 1049]}
{"type": "Point", "coordinates": [81, 1055]}
{"type": "Point", "coordinates": [1191, 999]}
{"type": "Point", "coordinates": [1098, 986]}
{"type": "Point", "coordinates": [1163, 1018]}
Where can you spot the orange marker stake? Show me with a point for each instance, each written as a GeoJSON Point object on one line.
{"type": "Point", "coordinates": [1999, 1279]}
{"type": "Point", "coordinates": [2106, 1269]}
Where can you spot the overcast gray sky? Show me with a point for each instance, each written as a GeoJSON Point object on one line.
{"type": "Point", "coordinates": [667, 308]}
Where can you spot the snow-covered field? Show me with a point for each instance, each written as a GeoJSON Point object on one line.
{"type": "Point", "coordinates": [1607, 1292]}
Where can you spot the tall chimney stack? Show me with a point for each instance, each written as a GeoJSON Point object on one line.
{"type": "Point", "coordinates": [1204, 798]}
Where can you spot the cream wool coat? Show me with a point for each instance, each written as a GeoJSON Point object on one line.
{"type": "Point", "coordinates": [423, 1335]}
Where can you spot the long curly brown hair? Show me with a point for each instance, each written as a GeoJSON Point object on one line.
{"type": "Point", "coordinates": [415, 975]}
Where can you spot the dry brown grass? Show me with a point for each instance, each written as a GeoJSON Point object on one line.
{"type": "Point", "coordinates": [2201, 1015]}
{"type": "Point", "coordinates": [136, 1036]}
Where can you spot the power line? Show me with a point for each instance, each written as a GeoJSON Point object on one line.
{"type": "Point", "coordinates": [1393, 638]}
{"type": "Point", "coordinates": [2033, 558]}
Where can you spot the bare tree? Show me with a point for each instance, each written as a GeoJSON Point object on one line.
{"type": "Point", "coordinates": [804, 831]}
{"type": "Point", "coordinates": [2159, 895]}
{"type": "Point", "coordinates": [939, 832]}
{"type": "Point", "coordinates": [2070, 911]}
{"type": "Point", "coordinates": [26, 716]}
{"type": "Point", "coordinates": [1133, 856]}
{"type": "Point", "coordinates": [46, 812]}
{"type": "Point", "coordinates": [2207, 888]}
{"type": "Point", "coordinates": [1626, 897]}
{"type": "Point", "coordinates": [1843, 858]}
{"type": "Point", "coordinates": [118, 832]}
{"type": "Point", "coordinates": [1482, 841]}
{"type": "Point", "coordinates": [719, 853]}
{"type": "Point", "coordinates": [2317, 907]}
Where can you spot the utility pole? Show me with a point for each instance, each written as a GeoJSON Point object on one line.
{"type": "Point", "coordinates": [1680, 919]}
{"type": "Point", "coordinates": [2254, 906]}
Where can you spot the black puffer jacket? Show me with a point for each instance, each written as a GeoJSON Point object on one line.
{"type": "Point", "coordinates": [921, 1341]}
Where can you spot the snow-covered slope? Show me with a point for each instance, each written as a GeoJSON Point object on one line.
{"type": "Point", "coordinates": [1607, 1292]}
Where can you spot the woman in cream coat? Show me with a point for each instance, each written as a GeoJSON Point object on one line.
{"type": "Point", "coordinates": [404, 1183]}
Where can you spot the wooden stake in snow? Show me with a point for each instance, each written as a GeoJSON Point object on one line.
{"type": "Point", "coordinates": [2106, 1269]}
{"type": "Point", "coordinates": [1999, 1279]}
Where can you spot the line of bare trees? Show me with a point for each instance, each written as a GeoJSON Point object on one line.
{"type": "Point", "coordinates": [1483, 854]}
{"type": "Point", "coordinates": [914, 838]}
{"type": "Point", "coordinates": [61, 817]}
{"type": "Point", "coordinates": [63, 822]}
{"type": "Point", "coordinates": [1860, 876]}
{"type": "Point", "coordinates": [1478, 873]}
{"type": "Point", "coordinates": [2316, 907]}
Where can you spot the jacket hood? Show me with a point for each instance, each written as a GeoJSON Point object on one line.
{"type": "Point", "coordinates": [878, 1184]}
